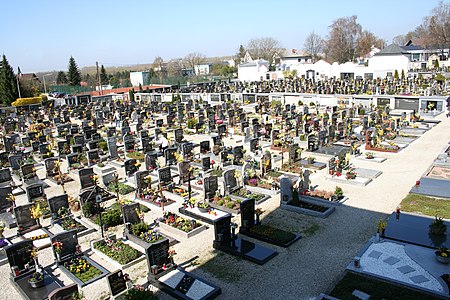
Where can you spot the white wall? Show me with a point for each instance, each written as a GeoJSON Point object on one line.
{"type": "Point", "coordinates": [254, 72]}
{"type": "Point", "coordinates": [382, 64]}
{"type": "Point", "coordinates": [137, 78]}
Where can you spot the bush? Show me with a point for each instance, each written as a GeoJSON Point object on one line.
{"type": "Point", "coordinates": [111, 217]}
{"type": "Point", "coordinates": [220, 202]}
{"type": "Point", "coordinates": [230, 205]}
{"type": "Point", "coordinates": [103, 146]}
{"type": "Point", "coordinates": [89, 209]}
{"type": "Point", "coordinates": [137, 293]}
{"type": "Point", "coordinates": [136, 155]}
{"type": "Point", "coordinates": [191, 122]}
{"type": "Point", "coordinates": [124, 189]}
{"type": "Point", "coordinates": [139, 228]}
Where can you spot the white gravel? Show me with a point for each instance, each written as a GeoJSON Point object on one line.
{"type": "Point", "coordinates": [379, 267]}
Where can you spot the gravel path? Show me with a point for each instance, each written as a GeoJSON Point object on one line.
{"type": "Point", "coordinates": [310, 266]}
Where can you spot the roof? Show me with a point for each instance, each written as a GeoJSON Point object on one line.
{"type": "Point", "coordinates": [392, 50]}
{"type": "Point", "coordinates": [127, 89]}
{"type": "Point", "coordinates": [411, 47]}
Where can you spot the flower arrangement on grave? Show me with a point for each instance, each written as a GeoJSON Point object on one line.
{"type": "Point", "coordinates": [145, 233]}
{"type": "Point", "coordinates": [39, 237]}
{"type": "Point", "coordinates": [203, 206]}
{"type": "Point", "coordinates": [138, 292]}
{"type": "Point", "coordinates": [227, 202]}
{"type": "Point", "coordinates": [171, 254]}
{"type": "Point", "coordinates": [83, 270]}
{"type": "Point", "coordinates": [370, 155]}
{"type": "Point", "coordinates": [438, 227]}
{"type": "Point", "coordinates": [311, 160]}
{"type": "Point", "coordinates": [381, 226]}
{"type": "Point", "coordinates": [180, 191]}
{"type": "Point", "coordinates": [351, 174]}
{"type": "Point", "coordinates": [36, 212]}
{"type": "Point", "coordinates": [57, 246]}
{"type": "Point", "coordinates": [140, 214]}
{"type": "Point", "coordinates": [443, 252]}
{"type": "Point", "coordinates": [12, 199]}
{"type": "Point", "coordinates": [178, 222]}
{"type": "Point", "coordinates": [74, 204]}
{"type": "Point", "coordinates": [36, 280]}
{"type": "Point", "coordinates": [70, 223]}
{"type": "Point", "coordinates": [94, 179]}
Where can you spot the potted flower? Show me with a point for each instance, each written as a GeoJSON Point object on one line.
{"type": "Point", "coordinates": [311, 160]}
{"type": "Point", "coordinates": [36, 280]}
{"type": "Point", "coordinates": [438, 226]}
{"type": "Point", "coordinates": [443, 255]}
{"type": "Point", "coordinates": [203, 207]}
{"type": "Point", "coordinates": [370, 155]}
{"type": "Point", "coordinates": [381, 227]}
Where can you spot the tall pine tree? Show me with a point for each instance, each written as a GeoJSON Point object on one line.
{"type": "Point", "coordinates": [103, 76]}
{"type": "Point", "coordinates": [8, 83]}
{"type": "Point", "coordinates": [73, 74]}
{"type": "Point", "coordinates": [61, 78]}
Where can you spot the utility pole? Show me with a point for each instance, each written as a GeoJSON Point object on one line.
{"type": "Point", "coordinates": [98, 80]}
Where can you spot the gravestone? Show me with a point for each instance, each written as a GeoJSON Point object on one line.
{"type": "Point", "coordinates": [183, 170]}
{"type": "Point", "coordinates": [76, 149]}
{"type": "Point", "coordinates": [222, 232]}
{"type": "Point", "coordinates": [79, 139]}
{"type": "Point", "coordinates": [93, 145]}
{"type": "Point", "coordinates": [15, 161]}
{"type": "Point", "coordinates": [93, 157]}
{"type": "Point", "coordinates": [158, 254]}
{"type": "Point", "coordinates": [35, 191]}
{"type": "Point", "coordinates": [150, 161]}
{"type": "Point", "coordinates": [230, 181]}
{"type": "Point", "coordinates": [169, 156]}
{"type": "Point", "coordinates": [266, 163]}
{"type": "Point", "coordinates": [23, 218]}
{"type": "Point", "coordinates": [206, 163]}
{"type": "Point", "coordinates": [117, 283]}
{"type": "Point", "coordinates": [55, 203]}
{"type": "Point", "coordinates": [112, 147]}
{"type": "Point", "coordinates": [86, 177]}
{"type": "Point", "coordinates": [164, 175]}
{"type": "Point", "coordinates": [19, 257]}
{"type": "Point", "coordinates": [204, 147]}
{"type": "Point", "coordinates": [139, 177]}
{"type": "Point", "coordinates": [129, 213]}
{"type": "Point", "coordinates": [69, 241]}
{"type": "Point", "coordinates": [130, 167]}
{"type": "Point", "coordinates": [247, 210]}
{"type": "Point", "coordinates": [222, 129]}
{"type": "Point", "coordinates": [29, 173]}
{"type": "Point", "coordinates": [294, 154]}
{"type": "Point", "coordinates": [179, 135]}
{"type": "Point", "coordinates": [5, 176]}
{"type": "Point", "coordinates": [50, 166]}
{"type": "Point", "coordinates": [254, 145]}
{"type": "Point", "coordinates": [4, 203]}
{"type": "Point", "coordinates": [285, 190]}
{"type": "Point", "coordinates": [210, 186]}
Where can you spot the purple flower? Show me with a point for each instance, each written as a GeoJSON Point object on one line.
{"type": "Point", "coordinates": [3, 243]}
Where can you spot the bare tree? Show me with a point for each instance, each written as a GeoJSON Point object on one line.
{"type": "Point", "coordinates": [365, 42]}
{"type": "Point", "coordinates": [314, 45]}
{"type": "Point", "coordinates": [193, 59]}
{"type": "Point", "coordinates": [175, 67]}
{"type": "Point", "coordinates": [437, 27]}
{"type": "Point", "coordinates": [343, 39]}
{"type": "Point", "coordinates": [264, 48]}
{"type": "Point", "coordinates": [158, 67]}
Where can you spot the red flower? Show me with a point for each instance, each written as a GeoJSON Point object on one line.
{"type": "Point", "coordinates": [212, 161]}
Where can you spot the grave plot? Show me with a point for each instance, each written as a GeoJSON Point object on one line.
{"type": "Point", "coordinates": [179, 227]}
{"type": "Point", "coordinates": [7, 204]}
{"type": "Point", "coordinates": [53, 171]}
{"type": "Point", "coordinates": [416, 230]}
{"type": "Point", "coordinates": [375, 141]}
{"type": "Point", "coordinates": [253, 227]}
{"type": "Point", "coordinates": [29, 177]}
{"type": "Point", "coordinates": [37, 196]}
{"type": "Point", "coordinates": [93, 211]}
{"type": "Point", "coordinates": [76, 162]}
{"type": "Point", "coordinates": [24, 269]}
{"type": "Point", "coordinates": [404, 264]}
{"type": "Point", "coordinates": [73, 262]}
{"type": "Point", "coordinates": [227, 241]}
{"type": "Point", "coordinates": [240, 193]}
{"type": "Point", "coordinates": [146, 194]}
{"type": "Point", "coordinates": [62, 218]}
{"type": "Point", "coordinates": [257, 178]}
{"type": "Point", "coordinates": [295, 162]}
{"type": "Point", "coordinates": [371, 157]}
{"type": "Point", "coordinates": [216, 201]}
{"type": "Point", "coordinates": [434, 187]}
{"type": "Point", "coordinates": [173, 280]}
{"type": "Point", "coordinates": [340, 171]}
{"type": "Point", "coordinates": [137, 231]}
{"type": "Point", "coordinates": [117, 252]}
{"type": "Point", "coordinates": [291, 200]}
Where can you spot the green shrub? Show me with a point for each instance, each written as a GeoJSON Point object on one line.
{"type": "Point", "coordinates": [230, 205]}
{"type": "Point", "coordinates": [111, 217]}
{"type": "Point", "coordinates": [118, 251]}
{"type": "Point", "coordinates": [139, 228]}
{"type": "Point", "coordinates": [191, 122]}
{"type": "Point", "coordinates": [220, 202]}
{"type": "Point", "coordinates": [103, 146]}
{"type": "Point", "coordinates": [124, 189]}
{"type": "Point", "coordinates": [89, 209]}
{"type": "Point", "coordinates": [139, 294]}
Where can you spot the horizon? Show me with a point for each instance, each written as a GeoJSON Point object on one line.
{"type": "Point", "coordinates": [124, 35]}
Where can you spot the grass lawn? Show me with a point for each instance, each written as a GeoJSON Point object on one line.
{"type": "Point", "coordinates": [426, 205]}
{"type": "Point", "coordinates": [376, 288]}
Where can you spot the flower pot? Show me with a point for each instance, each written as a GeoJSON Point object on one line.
{"type": "Point", "coordinates": [204, 210]}
{"type": "Point", "coordinates": [37, 284]}
{"type": "Point", "coordinates": [442, 259]}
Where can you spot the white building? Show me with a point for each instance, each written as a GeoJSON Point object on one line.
{"type": "Point", "coordinates": [253, 71]}
{"type": "Point", "coordinates": [385, 62]}
{"type": "Point", "coordinates": [139, 78]}
{"type": "Point", "coordinates": [203, 69]}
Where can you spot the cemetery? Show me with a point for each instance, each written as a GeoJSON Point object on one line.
{"type": "Point", "coordinates": [255, 175]}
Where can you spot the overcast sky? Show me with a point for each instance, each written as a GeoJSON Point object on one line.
{"type": "Point", "coordinates": [42, 35]}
